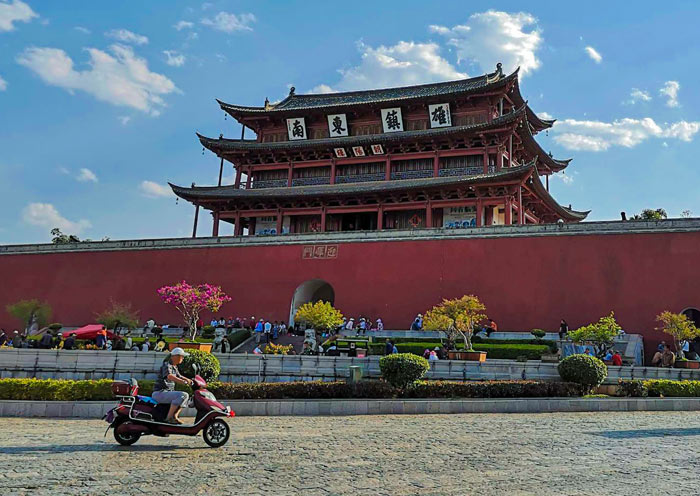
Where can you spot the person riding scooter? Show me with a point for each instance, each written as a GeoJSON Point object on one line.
{"type": "Point", "coordinates": [164, 387]}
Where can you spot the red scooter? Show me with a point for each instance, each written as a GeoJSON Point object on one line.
{"type": "Point", "coordinates": [136, 415]}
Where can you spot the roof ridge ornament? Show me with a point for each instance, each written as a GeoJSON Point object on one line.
{"type": "Point", "coordinates": [292, 89]}
{"type": "Point", "coordinates": [496, 75]}
{"type": "Point", "coordinates": [267, 103]}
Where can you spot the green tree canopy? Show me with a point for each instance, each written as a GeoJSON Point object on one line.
{"type": "Point", "coordinates": [118, 315]}
{"type": "Point", "coordinates": [651, 214]}
{"type": "Point", "coordinates": [599, 334]}
{"type": "Point", "coordinates": [321, 315]}
{"type": "Point", "coordinates": [456, 317]}
{"type": "Point", "coordinates": [26, 310]}
{"type": "Point", "coordinates": [678, 326]}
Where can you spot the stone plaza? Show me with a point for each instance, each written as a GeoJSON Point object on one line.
{"type": "Point", "coordinates": [566, 453]}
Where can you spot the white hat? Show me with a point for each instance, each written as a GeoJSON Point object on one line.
{"type": "Point", "coordinates": [178, 351]}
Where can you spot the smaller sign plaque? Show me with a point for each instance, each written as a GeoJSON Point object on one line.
{"type": "Point", "coordinates": [319, 252]}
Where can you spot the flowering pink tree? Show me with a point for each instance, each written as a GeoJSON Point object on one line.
{"type": "Point", "coordinates": [191, 300]}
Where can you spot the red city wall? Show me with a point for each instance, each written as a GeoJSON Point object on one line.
{"type": "Point", "coordinates": [525, 282]}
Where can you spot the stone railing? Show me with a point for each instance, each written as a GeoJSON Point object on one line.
{"type": "Point", "coordinates": [359, 178]}
{"type": "Point", "coordinates": [462, 171]}
{"type": "Point", "coordinates": [269, 183]}
{"type": "Point", "coordinates": [310, 181]}
{"type": "Point", "coordinates": [280, 368]}
{"type": "Point", "coordinates": [413, 174]}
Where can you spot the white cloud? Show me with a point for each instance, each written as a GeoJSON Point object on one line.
{"type": "Point", "coordinates": [82, 29]}
{"type": "Point", "coordinates": [670, 91]}
{"type": "Point", "coordinates": [127, 36]}
{"type": "Point", "coordinates": [545, 115]}
{"type": "Point", "coordinates": [406, 63]}
{"type": "Point", "coordinates": [491, 37]}
{"type": "Point", "coordinates": [183, 25]}
{"type": "Point", "coordinates": [124, 119]}
{"type": "Point", "coordinates": [45, 215]}
{"type": "Point", "coordinates": [637, 95]}
{"type": "Point", "coordinates": [120, 78]}
{"type": "Point", "coordinates": [86, 175]}
{"type": "Point", "coordinates": [598, 136]}
{"type": "Point", "coordinates": [565, 178]}
{"type": "Point", "coordinates": [174, 59]}
{"type": "Point", "coordinates": [63, 170]}
{"type": "Point", "coordinates": [3, 84]}
{"type": "Point", "coordinates": [594, 54]}
{"type": "Point", "coordinates": [230, 23]}
{"type": "Point", "coordinates": [17, 11]}
{"type": "Point", "coordinates": [155, 190]}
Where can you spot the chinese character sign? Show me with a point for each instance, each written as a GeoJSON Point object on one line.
{"type": "Point", "coordinates": [392, 120]}
{"type": "Point", "coordinates": [440, 115]}
{"type": "Point", "coordinates": [358, 151]}
{"type": "Point", "coordinates": [296, 128]}
{"type": "Point", "coordinates": [340, 152]}
{"type": "Point", "coordinates": [323, 252]}
{"type": "Point", "coordinates": [337, 125]}
{"type": "Point", "coordinates": [377, 150]}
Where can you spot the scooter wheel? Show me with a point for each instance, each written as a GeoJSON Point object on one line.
{"type": "Point", "coordinates": [125, 438]}
{"type": "Point", "coordinates": [216, 433]}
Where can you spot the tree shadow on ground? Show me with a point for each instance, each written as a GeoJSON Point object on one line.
{"type": "Point", "coordinates": [72, 448]}
{"type": "Point", "coordinates": [644, 433]}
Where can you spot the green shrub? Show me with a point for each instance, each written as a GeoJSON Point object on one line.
{"type": "Point", "coordinates": [632, 388]}
{"type": "Point", "coordinates": [100, 390]}
{"type": "Point", "coordinates": [538, 333]}
{"type": "Point", "coordinates": [403, 369]}
{"type": "Point", "coordinates": [585, 370]}
{"type": "Point", "coordinates": [237, 337]}
{"type": "Point", "coordinates": [664, 387]}
{"type": "Point", "coordinates": [208, 365]}
{"type": "Point", "coordinates": [495, 351]}
{"type": "Point", "coordinates": [55, 327]}
{"type": "Point", "coordinates": [208, 331]}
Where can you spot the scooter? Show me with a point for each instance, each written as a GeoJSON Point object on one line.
{"type": "Point", "coordinates": [137, 415]}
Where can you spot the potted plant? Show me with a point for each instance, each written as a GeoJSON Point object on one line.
{"type": "Point", "coordinates": [680, 328]}
{"type": "Point", "coordinates": [599, 334]}
{"type": "Point", "coordinates": [458, 317]}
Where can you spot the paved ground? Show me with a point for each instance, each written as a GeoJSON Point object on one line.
{"type": "Point", "coordinates": [571, 454]}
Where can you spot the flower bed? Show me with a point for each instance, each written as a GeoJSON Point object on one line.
{"type": "Point", "coordinates": [659, 388]}
{"type": "Point", "coordinates": [100, 390]}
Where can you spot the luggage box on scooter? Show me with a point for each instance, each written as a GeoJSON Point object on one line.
{"type": "Point", "coordinates": [121, 388]}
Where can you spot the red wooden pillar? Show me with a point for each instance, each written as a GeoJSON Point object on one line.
{"type": "Point", "coordinates": [323, 219]}
{"type": "Point", "coordinates": [436, 165]}
{"type": "Point", "coordinates": [510, 151]}
{"type": "Point", "coordinates": [387, 169]}
{"type": "Point", "coordinates": [237, 183]}
{"type": "Point", "coordinates": [289, 175]}
{"type": "Point", "coordinates": [509, 211]}
{"type": "Point", "coordinates": [429, 215]}
{"type": "Point", "coordinates": [249, 178]}
{"type": "Point", "coordinates": [486, 160]}
{"type": "Point", "coordinates": [237, 228]}
{"type": "Point", "coordinates": [279, 222]}
{"type": "Point", "coordinates": [479, 213]}
{"type": "Point", "coordinates": [333, 171]}
{"type": "Point", "coordinates": [196, 218]}
{"type": "Point", "coordinates": [380, 218]}
{"type": "Point", "coordinates": [251, 226]}
{"type": "Point", "coordinates": [215, 226]}
{"type": "Point", "coordinates": [521, 213]}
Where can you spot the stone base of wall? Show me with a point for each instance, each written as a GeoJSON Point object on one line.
{"type": "Point", "coordinates": [96, 409]}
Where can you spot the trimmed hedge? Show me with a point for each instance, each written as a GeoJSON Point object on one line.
{"type": "Point", "coordinates": [583, 369]}
{"type": "Point", "coordinates": [237, 337]}
{"type": "Point", "coordinates": [496, 351]}
{"type": "Point", "coordinates": [403, 369]}
{"type": "Point", "coordinates": [64, 390]}
{"type": "Point", "coordinates": [658, 388]}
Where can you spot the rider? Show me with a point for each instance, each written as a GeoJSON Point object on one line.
{"type": "Point", "coordinates": [164, 387]}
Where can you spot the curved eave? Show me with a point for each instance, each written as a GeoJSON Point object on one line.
{"type": "Point", "coordinates": [287, 107]}
{"type": "Point", "coordinates": [564, 213]}
{"type": "Point", "coordinates": [535, 121]}
{"type": "Point", "coordinates": [223, 145]}
{"type": "Point", "coordinates": [534, 149]}
{"type": "Point", "coordinates": [209, 193]}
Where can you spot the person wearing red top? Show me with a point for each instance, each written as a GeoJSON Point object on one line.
{"type": "Point", "coordinates": [617, 359]}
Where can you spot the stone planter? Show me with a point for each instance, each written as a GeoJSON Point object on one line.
{"type": "Point", "coordinates": [687, 364]}
{"type": "Point", "coordinates": [191, 346]}
{"type": "Point", "coordinates": [471, 356]}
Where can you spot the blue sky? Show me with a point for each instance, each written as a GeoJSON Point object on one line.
{"type": "Point", "coordinates": [99, 101]}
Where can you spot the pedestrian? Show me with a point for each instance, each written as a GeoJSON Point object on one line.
{"type": "Point", "coordinates": [563, 329]}
{"type": "Point", "coordinates": [16, 339]}
{"type": "Point", "coordinates": [380, 325]}
{"type": "Point", "coordinates": [394, 350]}
{"type": "Point", "coordinates": [146, 345]}
{"type": "Point", "coordinates": [275, 331]}
{"type": "Point", "coordinates": [363, 326]}
{"type": "Point", "coordinates": [46, 341]}
{"type": "Point", "coordinates": [268, 331]}
{"type": "Point", "coordinates": [101, 338]}
{"type": "Point", "coordinates": [350, 325]}
{"type": "Point", "coordinates": [388, 347]}
{"type": "Point", "coordinates": [3, 337]}
{"type": "Point", "coordinates": [257, 350]}
{"type": "Point", "coordinates": [426, 353]}
{"type": "Point", "coordinates": [617, 359]}
{"type": "Point", "coordinates": [128, 342]}
{"type": "Point", "coordinates": [492, 327]}
{"type": "Point", "coordinates": [433, 357]}
{"type": "Point", "coordinates": [69, 343]}
{"type": "Point", "coordinates": [415, 325]}
{"type": "Point", "coordinates": [258, 331]}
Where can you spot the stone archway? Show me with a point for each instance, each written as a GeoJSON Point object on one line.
{"type": "Point", "coordinates": [693, 314]}
{"type": "Point", "coordinates": [310, 291]}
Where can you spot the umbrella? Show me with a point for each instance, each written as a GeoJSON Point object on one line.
{"type": "Point", "coordinates": [87, 332]}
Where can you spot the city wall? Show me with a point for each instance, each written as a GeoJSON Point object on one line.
{"type": "Point", "coordinates": [528, 276]}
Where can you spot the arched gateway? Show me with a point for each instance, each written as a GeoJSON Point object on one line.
{"type": "Point", "coordinates": [693, 314]}
{"type": "Point", "coordinates": [310, 291]}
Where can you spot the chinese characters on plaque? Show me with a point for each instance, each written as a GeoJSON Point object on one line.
{"type": "Point", "coordinates": [440, 115]}
{"type": "Point", "coordinates": [340, 152]}
{"type": "Point", "coordinates": [392, 120]}
{"type": "Point", "coordinates": [337, 125]}
{"type": "Point", "coordinates": [296, 128]}
{"type": "Point", "coordinates": [319, 252]}
{"type": "Point", "coordinates": [377, 150]}
{"type": "Point", "coordinates": [358, 151]}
